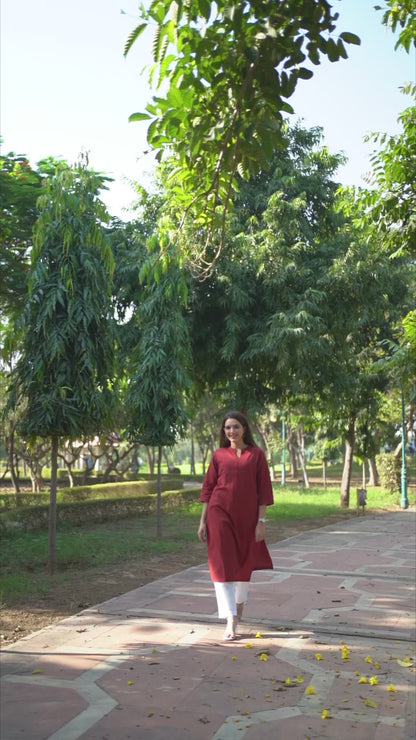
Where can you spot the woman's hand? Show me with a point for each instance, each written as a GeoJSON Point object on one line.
{"type": "Point", "coordinates": [202, 531]}
{"type": "Point", "coordinates": [260, 532]}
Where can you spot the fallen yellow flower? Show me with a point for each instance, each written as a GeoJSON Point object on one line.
{"type": "Point", "coordinates": [233, 658]}
{"type": "Point", "coordinates": [264, 656]}
{"type": "Point", "coordinates": [406, 663]}
{"type": "Point", "coordinates": [325, 714]}
{"type": "Point", "coordinates": [248, 645]}
{"type": "Point", "coordinates": [390, 687]}
{"type": "Point", "coordinates": [318, 656]}
{"type": "Point", "coordinates": [129, 683]}
{"type": "Point", "coordinates": [299, 679]}
{"type": "Point", "coordinates": [373, 680]}
{"type": "Point", "coordinates": [288, 681]}
{"type": "Point", "coordinates": [376, 665]}
{"type": "Point", "coordinates": [310, 690]}
{"type": "Point", "coordinates": [258, 634]}
{"type": "Point", "coordinates": [368, 659]}
{"type": "Point", "coordinates": [363, 679]}
{"type": "Point", "coordinates": [369, 703]}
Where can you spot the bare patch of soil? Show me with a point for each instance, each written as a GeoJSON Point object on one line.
{"type": "Point", "coordinates": [89, 586]}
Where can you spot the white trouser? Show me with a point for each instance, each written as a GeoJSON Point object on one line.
{"type": "Point", "coordinates": [229, 595]}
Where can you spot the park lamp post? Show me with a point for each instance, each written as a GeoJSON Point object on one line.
{"type": "Point", "coordinates": [404, 501]}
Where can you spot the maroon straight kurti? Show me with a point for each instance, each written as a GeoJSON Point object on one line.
{"type": "Point", "coordinates": [234, 488]}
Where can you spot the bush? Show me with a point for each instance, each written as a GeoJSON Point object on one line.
{"type": "Point", "coordinates": [95, 511]}
{"type": "Point", "coordinates": [91, 492]}
{"type": "Point", "coordinates": [388, 466]}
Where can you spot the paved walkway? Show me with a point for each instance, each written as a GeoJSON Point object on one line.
{"type": "Point", "coordinates": [326, 651]}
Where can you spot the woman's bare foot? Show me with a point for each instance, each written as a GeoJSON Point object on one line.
{"type": "Point", "coordinates": [230, 631]}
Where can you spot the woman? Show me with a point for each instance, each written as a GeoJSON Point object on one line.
{"type": "Point", "coordinates": [235, 493]}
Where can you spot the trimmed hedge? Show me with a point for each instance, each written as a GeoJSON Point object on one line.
{"type": "Point", "coordinates": [95, 511]}
{"type": "Point", "coordinates": [89, 493]}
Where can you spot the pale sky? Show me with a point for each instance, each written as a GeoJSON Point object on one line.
{"type": "Point", "coordinates": [66, 88]}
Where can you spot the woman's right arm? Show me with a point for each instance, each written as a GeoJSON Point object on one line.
{"type": "Point", "coordinates": [202, 529]}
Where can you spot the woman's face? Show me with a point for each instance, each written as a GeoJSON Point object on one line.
{"type": "Point", "coordinates": [234, 431]}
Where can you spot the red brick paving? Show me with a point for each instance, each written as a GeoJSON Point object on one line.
{"type": "Point", "coordinates": [326, 650]}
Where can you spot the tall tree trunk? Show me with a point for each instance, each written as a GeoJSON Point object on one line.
{"type": "Point", "coordinates": [70, 473]}
{"type": "Point", "coordinates": [302, 456]}
{"type": "Point", "coordinates": [192, 451]}
{"type": "Point", "coordinates": [150, 459]}
{"type": "Point", "coordinates": [292, 447]}
{"type": "Point", "coordinates": [324, 472]}
{"type": "Point", "coordinates": [346, 473]}
{"type": "Point", "coordinates": [52, 507]}
{"type": "Point", "coordinates": [13, 476]}
{"type": "Point", "coordinates": [374, 479]}
{"type": "Point", "coordinates": [159, 494]}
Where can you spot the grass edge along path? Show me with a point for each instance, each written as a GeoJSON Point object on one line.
{"type": "Point", "coordinates": [98, 546]}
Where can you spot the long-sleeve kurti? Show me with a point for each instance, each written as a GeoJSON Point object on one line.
{"type": "Point", "coordinates": [234, 488]}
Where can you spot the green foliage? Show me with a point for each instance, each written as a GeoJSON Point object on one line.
{"type": "Point", "coordinates": [20, 187]}
{"type": "Point", "coordinates": [227, 72]}
{"type": "Point", "coordinates": [91, 493]}
{"type": "Point", "coordinates": [94, 510]}
{"type": "Point", "coordinates": [390, 205]}
{"type": "Point", "coordinates": [66, 353]}
{"type": "Point", "coordinates": [401, 14]}
{"type": "Point", "coordinates": [295, 308]}
{"type": "Point", "coordinates": [158, 373]}
{"type": "Point", "coordinates": [388, 466]}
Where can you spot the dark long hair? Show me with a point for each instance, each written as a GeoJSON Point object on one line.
{"type": "Point", "coordinates": [247, 436]}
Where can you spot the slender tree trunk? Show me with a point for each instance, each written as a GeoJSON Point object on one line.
{"type": "Point", "coordinates": [13, 476]}
{"type": "Point", "coordinates": [159, 494]}
{"type": "Point", "coordinates": [70, 473]}
{"type": "Point", "coordinates": [374, 479]}
{"type": "Point", "coordinates": [52, 507]}
{"type": "Point", "coordinates": [346, 473]}
{"type": "Point", "coordinates": [193, 470]}
{"type": "Point", "coordinates": [293, 455]}
{"type": "Point", "coordinates": [302, 457]}
{"type": "Point", "coordinates": [150, 459]}
{"type": "Point", "coordinates": [324, 472]}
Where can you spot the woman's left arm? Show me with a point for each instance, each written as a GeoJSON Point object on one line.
{"type": "Point", "coordinates": [260, 532]}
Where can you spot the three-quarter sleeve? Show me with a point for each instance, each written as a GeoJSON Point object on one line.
{"type": "Point", "coordinates": [264, 484]}
{"type": "Point", "coordinates": [210, 480]}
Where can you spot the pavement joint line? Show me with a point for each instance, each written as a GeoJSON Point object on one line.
{"type": "Point", "coordinates": [288, 626]}
{"type": "Point", "coordinates": [346, 574]}
{"type": "Point", "coordinates": [100, 702]}
{"type": "Point", "coordinates": [307, 706]}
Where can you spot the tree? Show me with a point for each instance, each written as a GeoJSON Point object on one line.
{"type": "Point", "coordinates": [295, 308]}
{"type": "Point", "coordinates": [401, 14]}
{"type": "Point", "coordinates": [61, 380]}
{"type": "Point", "coordinates": [159, 367]}
{"type": "Point", "coordinates": [227, 72]}
{"type": "Point", "coordinates": [20, 187]}
{"type": "Point", "coordinates": [257, 321]}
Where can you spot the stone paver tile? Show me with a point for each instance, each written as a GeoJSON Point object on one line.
{"type": "Point", "coordinates": [66, 667]}
{"type": "Point", "coordinates": [35, 712]}
{"type": "Point", "coordinates": [315, 728]}
{"type": "Point", "coordinates": [126, 723]}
